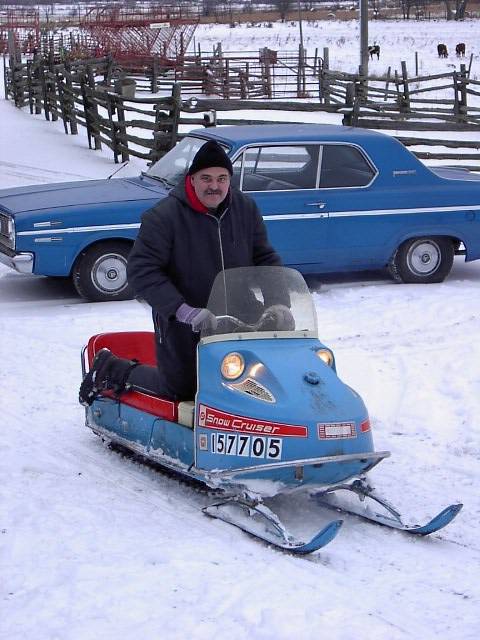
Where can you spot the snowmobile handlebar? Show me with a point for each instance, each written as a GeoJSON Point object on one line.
{"type": "Point", "coordinates": [275, 318]}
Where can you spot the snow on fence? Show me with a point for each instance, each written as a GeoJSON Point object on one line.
{"type": "Point", "coordinates": [99, 95]}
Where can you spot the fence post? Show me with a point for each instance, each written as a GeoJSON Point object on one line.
{"type": "Point", "coordinates": [16, 71]}
{"type": "Point", "coordinates": [324, 82]}
{"type": "Point", "coordinates": [61, 98]}
{"type": "Point", "coordinates": [5, 79]}
{"type": "Point", "coordinates": [93, 108]}
{"type": "Point", "coordinates": [36, 86]}
{"type": "Point", "coordinates": [30, 85]}
{"type": "Point", "coordinates": [347, 119]}
{"type": "Point", "coordinates": [361, 88]}
{"type": "Point", "coordinates": [470, 64]}
{"type": "Point", "coordinates": [301, 72]}
{"type": "Point", "coordinates": [113, 125]}
{"type": "Point", "coordinates": [175, 112]}
{"type": "Point", "coordinates": [266, 71]}
{"type": "Point", "coordinates": [405, 98]}
{"type": "Point", "coordinates": [83, 90]}
{"type": "Point", "coordinates": [122, 128]}
{"type": "Point", "coordinates": [43, 82]}
{"type": "Point", "coordinates": [107, 76]}
{"type": "Point", "coordinates": [154, 86]}
{"type": "Point", "coordinates": [350, 94]}
{"type": "Point", "coordinates": [226, 80]}
{"type": "Point", "coordinates": [385, 95]}
{"type": "Point", "coordinates": [165, 133]}
{"type": "Point", "coordinates": [456, 105]}
{"type": "Point", "coordinates": [243, 78]}
{"type": "Point", "coordinates": [70, 98]}
{"type": "Point", "coordinates": [51, 94]}
{"type": "Point", "coordinates": [463, 81]}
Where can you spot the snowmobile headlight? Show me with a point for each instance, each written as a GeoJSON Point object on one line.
{"type": "Point", "coordinates": [326, 356]}
{"type": "Point", "coordinates": [233, 365]}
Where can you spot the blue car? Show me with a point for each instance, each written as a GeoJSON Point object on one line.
{"type": "Point", "coordinates": [334, 199]}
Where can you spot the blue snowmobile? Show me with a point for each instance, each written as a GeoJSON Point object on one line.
{"type": "Point", "coordinates": [270, 415]}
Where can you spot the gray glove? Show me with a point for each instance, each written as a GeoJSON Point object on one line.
{"type": "Point", "coordinates": [278, 317]}
{"type": "Point", "coordinates": [199, 319]}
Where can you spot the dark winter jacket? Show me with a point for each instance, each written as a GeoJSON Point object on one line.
{"type": "Point", "coordinates": [176, 257]}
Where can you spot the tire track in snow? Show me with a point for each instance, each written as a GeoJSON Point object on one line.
{"type": "Point", "coordinates": [37, 173]}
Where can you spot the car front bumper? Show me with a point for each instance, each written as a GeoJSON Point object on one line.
{"type": "Point", "coordinates": [21, 262]}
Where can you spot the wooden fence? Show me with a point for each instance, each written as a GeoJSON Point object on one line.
{"type": "Point", "coordinates": [95, 94]}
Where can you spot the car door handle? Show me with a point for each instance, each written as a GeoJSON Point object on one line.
{"type": "Point", "coordinates": [320, 205]}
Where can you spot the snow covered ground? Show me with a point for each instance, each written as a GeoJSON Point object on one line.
{"type": "Point", "coordinates": [399, 40]}
{"type": "Point", "coordinates": [93, 545]}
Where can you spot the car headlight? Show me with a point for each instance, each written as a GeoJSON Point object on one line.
{"type": "Point", "coordinates": [233, 365]}
{"type": "Point", "coordinates": [325, 356]}
{"type": "Point", "coordinates": [7, 230]}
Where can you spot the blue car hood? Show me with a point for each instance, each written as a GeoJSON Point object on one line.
{"type": "Point", "coordinates": [69, 194]}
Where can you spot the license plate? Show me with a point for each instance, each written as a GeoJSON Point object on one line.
{"type": "Point", "coordinates": [233, 444]}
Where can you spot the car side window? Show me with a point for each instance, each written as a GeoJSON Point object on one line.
{"type": "Point", "coordinates": [277, 168]}
{"type": "Point", "coordinates": [344, 166]}
{"type": "Point", "coordinates": [237, 171]}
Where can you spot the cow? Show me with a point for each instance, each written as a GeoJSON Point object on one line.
{"type": "Point", "coordinates": [460, 49]}
{"type": "Point", "coordinates": [442, 50]}
{"type": "Point", "coordinates": [374, 50]}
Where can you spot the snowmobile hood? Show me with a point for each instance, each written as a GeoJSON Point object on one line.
{"type": "Point", "coordinates": [69, 194]}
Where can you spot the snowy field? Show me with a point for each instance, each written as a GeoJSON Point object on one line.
{"type": "Point", "coordinates": [96, 546]}
{"type": "Point", "coordinates": [399, 40]}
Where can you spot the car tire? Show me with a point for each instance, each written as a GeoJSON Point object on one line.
{"type": "Point", "coordinates": [423, 260]}
{"type": "Point", "coordinates": [100, 272]}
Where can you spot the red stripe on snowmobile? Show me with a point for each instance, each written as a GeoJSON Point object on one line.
{"type": "Point", "coordinates": [165, 409]}
{"type": "Point", "coordinates": [210, 418]}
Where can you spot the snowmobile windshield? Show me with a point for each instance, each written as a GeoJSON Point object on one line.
{"type": "Point", "coordinates": [173, 166]}
{"type": "Point", "coordinates": [273, 301]}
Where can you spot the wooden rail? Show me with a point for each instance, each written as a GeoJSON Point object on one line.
{"type": "Point", "coordinates": [100, 96]}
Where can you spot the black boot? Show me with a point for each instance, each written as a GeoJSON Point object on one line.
{"type": "Point", "coordinates": [107, 372]}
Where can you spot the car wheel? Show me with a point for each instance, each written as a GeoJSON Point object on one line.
{"type": "Point", "coordinates": [423, 260]}
{"type": "Point", "coordinates": [100, 272]}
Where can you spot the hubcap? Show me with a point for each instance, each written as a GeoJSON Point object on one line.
{"type": "Point", "coordinates": [109, 273]}
{"type": "Point", "coordinates": [424, 257]}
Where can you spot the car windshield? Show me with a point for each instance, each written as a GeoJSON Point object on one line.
{"type": "Point", "coordinates": [262, 299]}
{"type": "Point", "coordinates": [174, 164]}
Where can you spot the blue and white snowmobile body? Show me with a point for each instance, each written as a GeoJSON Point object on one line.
{"type": "Point", "coordinates": [271, 414]}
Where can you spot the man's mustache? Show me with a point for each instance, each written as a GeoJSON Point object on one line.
{"type": "Point", "coordinates": [213, 192]}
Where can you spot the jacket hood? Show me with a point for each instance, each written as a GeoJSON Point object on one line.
{"type": "Point", "coordinates": [69, 194]}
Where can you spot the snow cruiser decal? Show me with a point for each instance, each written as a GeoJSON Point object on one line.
{"type": "Point", "coordinates": [210, 418]}
{"type": "Point", "coordinates": [334, 430]}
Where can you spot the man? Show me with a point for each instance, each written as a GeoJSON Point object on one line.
{"type": "Point", "coordinates": [203, 227]}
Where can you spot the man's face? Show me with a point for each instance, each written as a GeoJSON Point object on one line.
{"type": "Point", "coordinates": [211, 185]}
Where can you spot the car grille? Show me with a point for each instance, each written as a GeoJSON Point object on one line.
{"type": "Point", "coordinates": [253, 388]}
{"type": "Point", "coordinates": [5, 236]}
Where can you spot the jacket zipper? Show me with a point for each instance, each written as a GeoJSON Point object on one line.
{"type": "Point", "coordinates": [218, 221]}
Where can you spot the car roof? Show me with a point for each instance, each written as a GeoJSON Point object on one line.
{"type": "Point", "coordinates": [244, 134]}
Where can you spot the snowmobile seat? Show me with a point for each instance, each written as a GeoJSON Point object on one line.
{"type": "Point", "coordinates": [125, 344]}
{"type": "Point", "coordinates": [139, 345]}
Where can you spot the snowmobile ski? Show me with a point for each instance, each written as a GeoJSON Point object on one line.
{"type": "Point", "coordinates": [391, 518]}
{"type": "Point", "coordinates": [254, 517]}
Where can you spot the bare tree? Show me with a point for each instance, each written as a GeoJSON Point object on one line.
{"type": "Point", "coordinates": [283, 7]}
{"type": "Point", "coordinates": [459, 12]}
